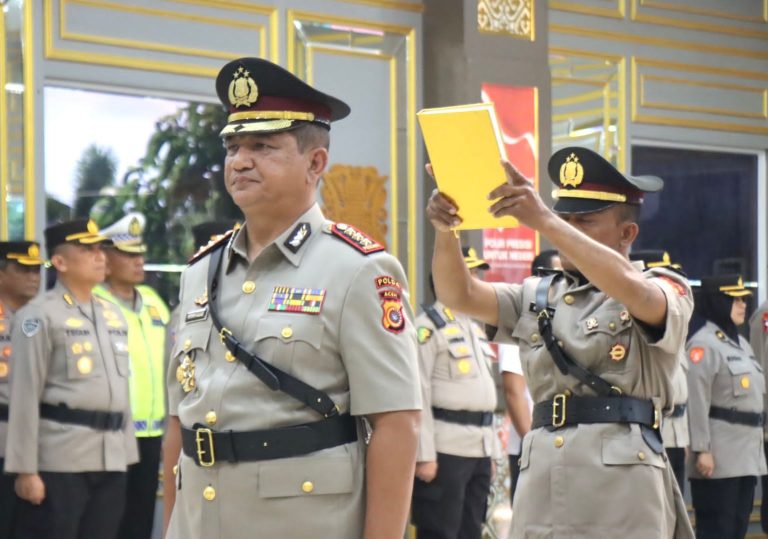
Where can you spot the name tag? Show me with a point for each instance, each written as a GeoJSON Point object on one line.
{"type": "Point", "coordinates": [196, 315]}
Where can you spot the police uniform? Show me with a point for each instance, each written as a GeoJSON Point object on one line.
{"type": "Point", "coordinates": [25, 253]}
{"type": "Point", "coordinates": [69, 409]}
{"type": "Point", "coordinates": [674, 427]}
{"type": "Point", "coordinates": [758, 339]}
{"type": "Point", "coordinates": [146, 317]}
{"type": "Point", "coordinates": [276, 359]}
{"type": "Point", "coordinates": [726, 391]}
{"type": "Point", "coordinates": [459, 397]}
{"type": "Point", "coordinates": [594, 466]}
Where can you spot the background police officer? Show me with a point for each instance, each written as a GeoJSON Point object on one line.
{"type": "Point", "coordinates": [758, 339]}
{"type": "Point", "coordinates": [290, 330]}
{"type": "Point", "coordinates": [726, 388]}
{"type": "Point", "coordinates": [599, 344]}
{"type": "Point", "coordinates": [70, 434]}
{"type": "Point", "coordinates": [19, 282]}
{"type": "Point", "coordinates": [457, 439]}
{"type": "Point", "coordinates": [147, 316]}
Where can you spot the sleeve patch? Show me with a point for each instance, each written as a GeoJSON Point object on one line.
{"type": "Point", "coordinates": [385, 281]}
{"type": "Point", "coordinates": [696, 354]}
{"type": "Point", "coordinates": [424, 334]}
{"type": "Point", "coordinates": [392, 318]}
{"type": "Point", "coordinates": [356, 238]}
{"type": "Point", "coordinates": [31, 326]}
{"type": "Point", "coordinates": [677, 287]}
{"type": "Point", "coordinates": [765, 322]}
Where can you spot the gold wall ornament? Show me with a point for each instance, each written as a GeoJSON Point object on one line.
{"type": "Point", "coordinates": [357, 196]}
{"type": "Point", "coordinates": [513, 17]}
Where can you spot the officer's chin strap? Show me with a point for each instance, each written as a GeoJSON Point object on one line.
{"type": "Point", "coordinates": [568, 366]}
{"type": "Point", "coordinates": [273, 378]}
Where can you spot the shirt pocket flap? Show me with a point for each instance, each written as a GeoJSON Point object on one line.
{"type": "Point", "coordinates": [527, 331]}
{"type": "Point", "coordinates": [291, 329]}
{"type": "Point", "coordinates": [609, 322]}
{"type": "Point", "coordinates": [629, 450]}
{"type": "Point", "coordinates": [191, 338]}
{"type": "Point", "coordinates": [459, 350]}
{"type": "Point", "coordinates": [306, 477]}
{"type": "Point", "coordinates": [739, 367]}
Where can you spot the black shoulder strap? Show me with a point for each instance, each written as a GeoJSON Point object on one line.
{"type": "Point", "coordinates": [274, 378]}
{"type": "Point", "coordinates": [565, 363]}
{"type": "Point", "coordinates": [433, 315]}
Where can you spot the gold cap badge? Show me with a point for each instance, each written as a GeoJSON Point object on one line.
{"type": "Point", "coordinates": [134, 227]}
{"type": "Point", "coordinates": [243, 91]}
{"type": "Point", "coordinates": [92, 227]}
{"type": "Point", "coordinates": [571, 172]}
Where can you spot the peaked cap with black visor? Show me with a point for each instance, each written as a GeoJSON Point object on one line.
{"type": "Point", "coordinates": [587, 182]}
{"type": "Point", "coordinates": [262, 97]}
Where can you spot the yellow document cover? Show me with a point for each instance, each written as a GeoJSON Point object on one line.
{"type": "Point", "coordinates": [465, 148]}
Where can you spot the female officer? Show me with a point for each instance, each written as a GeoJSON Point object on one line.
{"type": "Point", "coordinates": [725, 404]}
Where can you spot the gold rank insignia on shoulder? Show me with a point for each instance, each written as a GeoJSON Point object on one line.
{"type": "Point", "coordinates": [68, 299]}
{"type": "Point", "coordinates": [297, 300]}
{"type": "Point", "coordinates": [243, 91]}
{"type": "Point", "coordinates": [720, 335]}
{"type": "Point", "coordinates": [571, 172]}
{"type": "Point", "coordinates": [449, 314]}
{"type": "Point", "coordinates": [356, 238]}
{"type": "Point", "coordinates": [205, 249]}
{"type": "Point", "coordinates": [423, 334]}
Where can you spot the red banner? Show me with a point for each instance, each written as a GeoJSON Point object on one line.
{"type": "Point", "coordinates": [510, 251]}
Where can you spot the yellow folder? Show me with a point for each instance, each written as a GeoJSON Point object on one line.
{"type": "Point", "coordinates": [465, 148]}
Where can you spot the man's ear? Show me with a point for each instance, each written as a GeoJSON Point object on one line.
{"type": "Point", "coordinates": [629, 232]}
{"type": "Point", "coordinates": [317, 160]}
{"type": "Point", "coordinates": [59, 262]}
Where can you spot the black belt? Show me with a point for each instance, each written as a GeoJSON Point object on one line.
{"type": "Point", "coordinates": [3, 412]}
{"type": "Point", "coordinates": [678, 410]}
{"type": "Point", "coordinates": [563, 411]}
{"type": "Point", "coordinates": [87, 418]}
{"type": "Point", "coordinates": [463, 417]}
{"type": "Point", "coordinates": [207, 447]}
{"type": "Point", "coordinates": [751, 419]}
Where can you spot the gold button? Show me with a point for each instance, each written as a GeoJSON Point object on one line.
{"type": "Point", "coordinates": [464, 366]}
{"type": "Point", "coordinates": [559, 441]}
{"type": "Point", "coordinates": [568, 299]}
{"type": "Point", "coordinates": [307, 486]}
{"type": "Point", "coordinates": [249, 287]}
{"type": "Point", "coordinates": [611, 325]}
{"type": "Point", "coordinates": [85, 365]}
{"type": "Point", "coordinates": [88, 347]}
{"type": "Point", "coordinates": [209, 493]}
{"type": "Point", "coordinates": [175, 469]}
{"type": "Point", "coordinates": [187, 344]}
{"type": "Point", "coordinates": [641, 455]}
{"type": "Point", "coordinates": [287, 333]}
{"type": "Point", "coordinates": [534, 337]}
{"type": "Point", "coordinates": [210, 418]}
{"type": "Point", "coordinates": [229, 356]}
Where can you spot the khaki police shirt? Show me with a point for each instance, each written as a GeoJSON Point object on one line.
{"type": "Point", "coordinates": [456, 374]}
{"type": "Point", "coordinates": [758, 339]}
{"type": "Point", "coordinates": [597, 480]}
{"type": "Point", "coordinates": [359, 346]}
{"type": "Point", "coordinates": [725, 374]}
{"type": "Point", "coordinates": [6, 320]}
{"type": "Point", "coordinates": [674, 430]}
{"type": "Point", "coordinates": [75, 355]}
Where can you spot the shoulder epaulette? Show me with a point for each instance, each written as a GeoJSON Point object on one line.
{"type": "Point", "coordinates": [356, 238]}
{"type": "Point", "coordinates": [206, 249]}
{"type": "Point", "coordinates": [433, 315]}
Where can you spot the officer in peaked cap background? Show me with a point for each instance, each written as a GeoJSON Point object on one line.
{"type": "Point", "coordinates": [70, 434]}
{"type": "Point", "coordinates": [294, 334]}
{"type": "Point", "coordinates": [674, 427]}
{"type": "Point", "coordinates": [20, 264]}
{"type": "Point", "coordinates": [147, 317]}
{"type": "Point", "coordinates": [457, 439]}
{"type": "Point", "coordinates": [726, 388]}
{"type": "Point", "coordinates": [599, 343]}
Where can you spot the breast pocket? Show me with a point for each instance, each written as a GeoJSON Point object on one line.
{"type": "Point", "coordinates": [462, 363]}
{"type": "Point", "coordinates": [744, 379]}
{"type": "Point", "coordinates": [281, 340]}
{"type": "Point", "coordinates": [607, 337]}
{"type": "Point", "coordinates": [190, 353]}
{"type": "Point", "coordinates": [122, 357]}
{"type": "Point", "coordinates": [83, 357]}
{"type": "Point", "coordinates": [310, 476]}
{"type": "Point", "coordinates": [526, 333]}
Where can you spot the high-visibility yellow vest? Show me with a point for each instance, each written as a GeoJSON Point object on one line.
{"type": "Point", "coordinates": [146, 348]}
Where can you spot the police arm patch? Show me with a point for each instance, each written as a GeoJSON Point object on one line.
{"type": "Point", "coordinates": [392, 318]}
{"type": "Point", "coordinates": [677, 287]}
{"type": "Point", "coordinates": [765, 322]}
{"type": "Point", "coordinates": [356, 238]}
{"type": "Point", "coordinates": [31, 326]}
{"type": "Point", "coordinates": [424, 334]}
{"type": "Point", "coordinates": [696, 354]}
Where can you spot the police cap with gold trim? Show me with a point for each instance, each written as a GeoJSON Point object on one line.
{"type": "Point", "coordinates": [587, 182]}
{"type": "Point", "coordinates": [265, 98]}
{"type": "Point", "coordinates": [730, 285]}
{"type": "Point", "coordinates": [125, 234]}
{"type": "Point", "coordinates": [26, 253]}
{"type": "Point", "coordinates": [82, 231]}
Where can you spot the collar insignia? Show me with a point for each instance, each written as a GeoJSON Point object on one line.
{"type": "Point", "coordinates": [297, 238]}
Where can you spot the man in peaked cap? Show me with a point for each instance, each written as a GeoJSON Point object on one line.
{"type": "Point", "coordinates": [147, 317]}
{"type": "Point", "coordinates": [70, 434]}
{"type": "Point", "coordinates": [294, 343]}
{"type": "Point", "coordinates": [457, 438]}
{"type": "Point", "coordinates": [599, 343]}
{"type": "Point", "coordinates": [674, 427]}
{"type": "Point", "coordinates": [19, 282]}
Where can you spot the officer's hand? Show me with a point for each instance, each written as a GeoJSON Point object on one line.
{"type": "Point", "coordinates": [426, 471]}
{"type": "Point", "coordinates": [30, 487]}
{"type": "Point", "coordinates": [518, 198]}
{"type": "Point", "coordinates": [441, 210]}
{"type": "Point", "coordinates": [705, 463]}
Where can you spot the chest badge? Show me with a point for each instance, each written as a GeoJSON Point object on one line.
{"type": "Point", "coordinates": [202, 300]}
{"type": "Point", "coordinates": [423, 334]}
{"type": "Point", "coordinates": [745, 381]}
{"type": "Point", "coordinates": [465, 367]}
{"type": "Point", "coordinates": [4, 369]}
{"type": "Point", "coordinates": [618, 352]}
{"type": "Point", "coordinates": [624, 317]}
{"type": "Point", "coordinates": [297, 300]}
{"type": "Point", "coordinates": [592, 323]}
{"type": "Point", "coordinates": [185, 374]}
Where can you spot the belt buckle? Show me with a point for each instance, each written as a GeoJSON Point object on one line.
{"type": "Point", "coordinates": [223, 334]}
{"type": "Point", "coordinates": [203, 435]}
{"type": "Point", "coordinates": [558, 410]}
